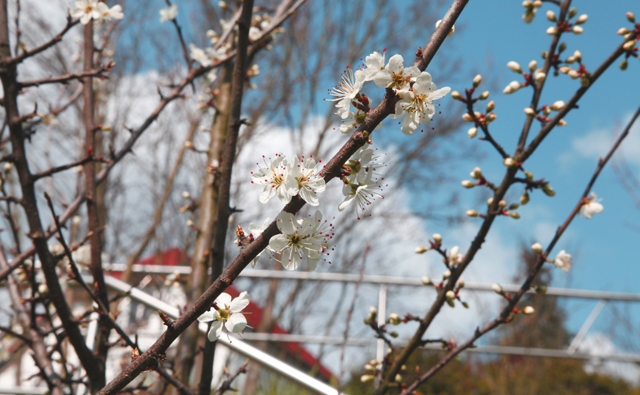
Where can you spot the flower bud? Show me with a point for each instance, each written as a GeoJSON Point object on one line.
{"type": "Point", "coordinates": [577, 29]}
{"type": "Point", "coordinates": [367, 377]}
{"type": "Point", "coordinates": [513, 206]}
{"type": "Point", "coordinates": [562, 122]}
{"type": "Point", "coordinates": [461, 283]}
{"type": "Point", "coordinates": [188, 145]}
{"type": "Point", "coordinates": [541, 289]}
{"type": "Point", "coordinates": [551, 16]}
{"type": "Point", "coordinates": [468, 184]}
{"type": "Point", "coordinates": [573, 11]}
{"type": "Point", "coordinates": [465, 305]}
{"type": "Point", "coordinates": [491, 117]}
{"type": "Point", "coordinates": [476, 173]}
{"type": "Point", "coordinates": [484, 95]}
{"type": "Point", "coordinates": [558, 105]}
{"type": "Point", "coordinates": [562, 47]}
{"type": "Point", "coordinates": [530, 111]}
{"type": "Point", "coordinates": [578, 56]}
{"type": "Point", "coordinates": [628, 46]}
{"type": "Point", "coordinates": [546, 188]}
{"type": "Point", "coordinates": [552, 30]}
{"type": "Point", "coordinates": [507, 90]}
{"type": "Point", "coordinates": [455, 95]}
{"type": "Point", "coordinates": [437, 238]}
{"type": "Point", "coordinates": [514, 66]}
{"type": "Point", "coordinates": [544, 54]}
{"type": "Point", "coordinates": [467, 117]}
{"type": "Point", "coordinates": [446, 275]}
{"type": "Point", "coordinates": [532, 65]}
{"type": "Point", "coordinates": [514, 215]}
{"type": "Point", "coordinates": [450, 295]}
{"type": "Point", "coordinates": [623, 65]}
{"type": "Point", "coordinates": [186, 195]}
{"type": "Point", "coordinates": [573, 74]}
{"type": "Point", "coordinates": [631, 17]}
{"type": "Point", "coordinates": [223, 5]}
{"type": "Point", "coordinates": [528, 15]}
{"type": "Point", "coordinates": [398, 378]}
{"type": "Point", "coordinates": [473, 132]}
{"type": "Point", "coordinates": [421, 250]}
{"type": "Point", "coordinates": [528, 310]}
{"type": "Point", "coordinates": [394, 335]}
{"type": "Point", "coordinates": [524, 199]}
{"type": "Point", "coordinates": [537, 248]}
{"type": "Point", "coordinates": [189, 223]}
{"type": "Point", "coordinates": [490, 201]}
{"type": "Point", "coordinates": [529, 175]}
{"type": "Point", "coordinates": [490, 106]}
{"type": "Point", "coordinates": [527, 4]}
{"type": "Point", "coordinates": [582, 19]}
{"type": "Point", "coordinates": [472, 213]}
{"type": "Point", "coordinates": [497, 289]}
{"type": "Point", "coordinates": [570, 60]}
{"type": "Point", "coordinates": [394, 319]}
{"type": "Point", "coordinates": [540, 76]}
{"type": "Point", "coordinates": [509, 162]}
{"type": "Point", "coordinates": [622, 31]}
{"type": "Point", "coordinates": [477, 80]}
{"type": "Point", "coordinates": [426, 280]}
{"type": "Point", "coordinates": [537, 3]}
{"type": "Point", "coordinates": [373, 310]}
{"type": "Point", "coordinates": [502, 204]}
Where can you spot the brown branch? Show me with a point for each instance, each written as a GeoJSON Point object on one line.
{"type": "Point", "coordinates": [226, 384]}
{"type": "Point", "coordinates": [515, 298]}
{"type": "Point", "coordinates": [182, 389]}
{"type": "Point", "coordinates": [63, 79]}
{"type": "Point", "coordinates": [58, 169]}
{"type": "Point", "coordinates": [185, 51]}
{"type": "Point", "coordinates": [216, 256]}
{"type": "Point", "coordinates": [17, 59]}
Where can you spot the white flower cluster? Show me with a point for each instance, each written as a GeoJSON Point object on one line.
{"type": "Point", "coordinates": [87, 10]}
{"type": "Point", "coordinates": [361, 179]}
{"type": "Point", "coordinates": [287, 179]}
{"type": "Point", "coordinates": [415, 89]}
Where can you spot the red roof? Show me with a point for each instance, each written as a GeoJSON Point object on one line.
{"type": "Point", "coordinates": [174, 256]}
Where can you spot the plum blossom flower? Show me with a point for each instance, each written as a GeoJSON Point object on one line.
{"type": "Point", "coordinates": [417, 106]}
{"type": "Point", "coordinates": [256, 230]}
{"type": "Point", "coordinates": [274, 176]}
{"type": "Point", "coordinates": [169, 14]}
{"type": "Point", "coordinates": [362, 191]}
{"type": "Point", "coordinates": [107, 14]}
{"type": "Point", "coordinates": [227, 312]}
{"type": "Point", "coordinates": [85, 10]}
{"type": "Point", "coordinates": [591, 206]}
{"type": "Point", "coordinates": [199, 55]}
{"type": "Point", "coordinates": [455, 257]}
{"type": "Point", "coordinates": [254, 33]}
{"type": "Point", "coordinates": [303, 179]}
{"type": "Point", "coordinates": [347, 90]}
{"type": "Point", "coordinates": [563, 261]}
{"type": "Point", "coordinates": [300, 237]}
{"type": "Point", "coordinates": [362, 162]}
{"type": "Point", "coordinates": [374, 63]}
{"type": "Point", "coordinates": [395, 75]}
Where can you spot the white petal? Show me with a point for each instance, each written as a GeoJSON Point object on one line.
{"type": "Point", "coordinates": [267, 193]}
{"type": "Point", "coordinates": [285, 222]}
{"type": "Point", "coordinates": [238, 304]}
{"type": "Point", "coordinates": [290, 259]}
{"type": "Point", "coordinates": [279, 242]}
{"type": "Point", "coordinates": [224, 299]}
{"type": "Point", "coordinates": [383, 79]}
{"type": "Point", "coordinates": [215, 331]}
{"type": "Point", "coordinates": [596, 207]}
{"type": "Point", "coordinates": [206, 317]}
{"type": "Point", "coordinates": [236, 323]}
{"type": "Point", "coordinates": [309, 196]}
{"type": "Point", "coordinates": [312, 263]}
{"type": "Point", "coordinates": [395, 63]}
{"type": "Point", "coordinates": [346, 202]}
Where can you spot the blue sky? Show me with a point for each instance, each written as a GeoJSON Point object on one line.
{"type": "Point", "coordinates": [490, 35]}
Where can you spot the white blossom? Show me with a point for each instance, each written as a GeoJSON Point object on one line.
{"type": "Point", "coordinates": [455, 257]}
{"type": "Point", "coordinates": [302, 178]}
{"type": "Point", "coordinates": [274, 176]}
{"type": "Point", "coordinates": [199, 55]}
{"type": "Point", "coordinates": [563, 261]}
{"type": "Point", "coordinates": [227, 312]}
{"type": "Point", "coordinates": [416, 106]}
{"type": "Point", "coordinates": [347, 90]}
{"type": "Point", "coordinates": [362, 191]}
{"type": "Point", "coordinates": [300, 237]}
{"type": "Point", "coordinates": [168, 14]}
{"type": "Point", "coordinates": [591, 207]}
{"type": "Point", "coordinates": [256, 230]}
{"type": "Point", "coordinates": [395, 75]}
{"type": "Point", "coordinates": [374, 63]}
{"type": "Point", "coordinates": [362, 162]}
{"type": "Point", "coordinates": [254, 33]}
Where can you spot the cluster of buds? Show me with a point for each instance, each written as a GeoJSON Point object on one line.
{"type": "Point", "coordinates": [504, 210]}
{"type": "Point", "coordinates": [542, 114]}
{"type": "Point", "coordinates": [565, 26]}
{"type": "Point", "coordinates": [370, 369]}
{"type": "Point", "coordinates": [454, 294]}
{"type": "Point", "coordinates": [631, 39]}
{"type": "Point", "coordinates": [191, 204]}
{"type": "Point", "coordinates": [477, 117]}
{"type": "Point", "coordinates": [531, 7]}
{"type": "Point", "coordinates": [534, 76]}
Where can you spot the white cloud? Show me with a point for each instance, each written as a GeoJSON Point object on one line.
{"type": "Point", "coordinates": [600, 345]}
{"type": "Point", "coordinates": [599, 141]}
